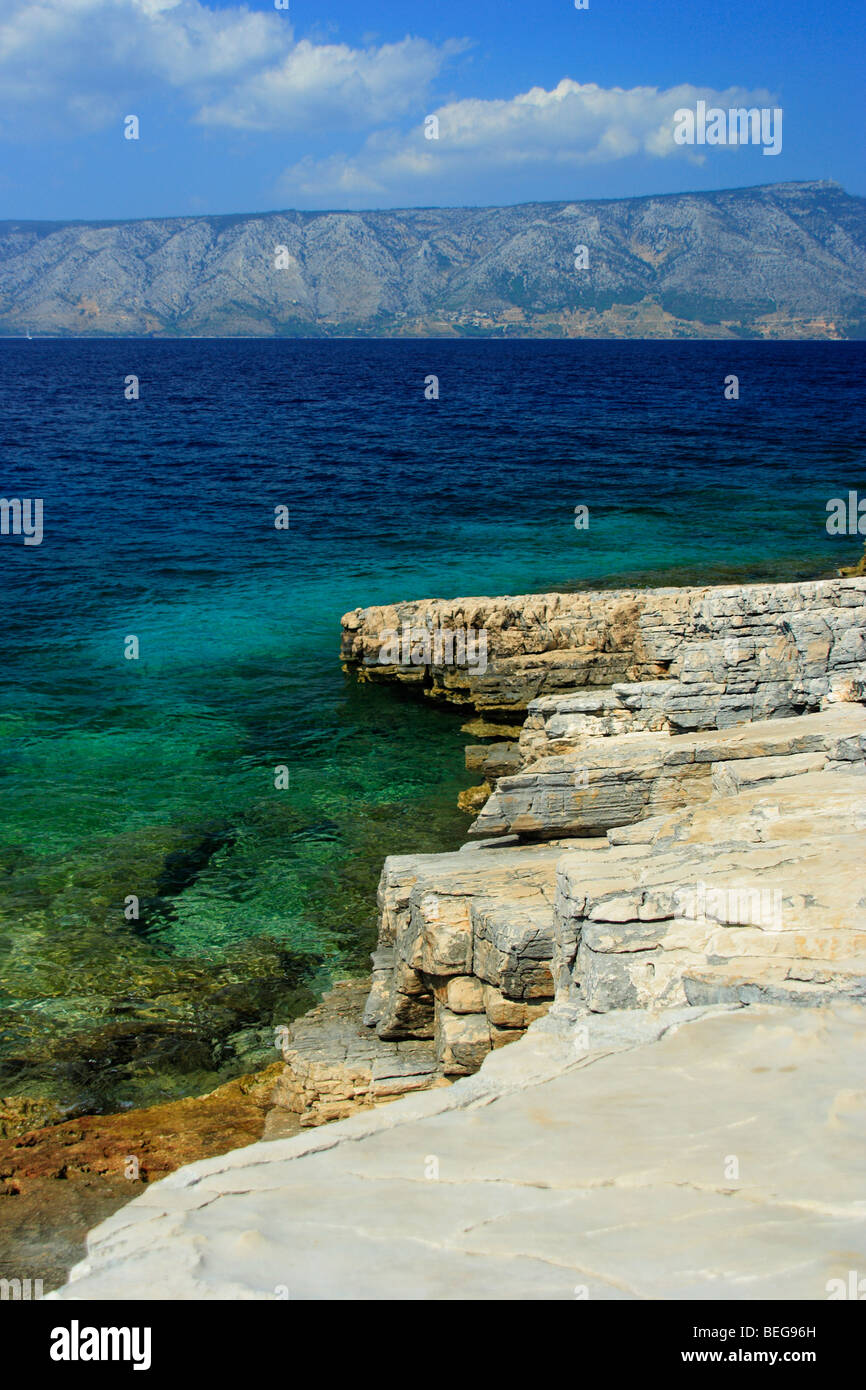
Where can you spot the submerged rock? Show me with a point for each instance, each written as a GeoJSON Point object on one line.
{"type": "Point", "coordinates": [61, 1178]}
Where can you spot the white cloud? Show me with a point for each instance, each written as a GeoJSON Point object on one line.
{"type": "Point", "coordinates": [329, 83]}
{"type": "Point", "coordinates": [73, 64]}
{"type": "Point", "coordinates": [79, 65]}
{"type": "Point", "coordinates": [572, 126]}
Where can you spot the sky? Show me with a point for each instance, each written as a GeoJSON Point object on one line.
{"type": "Point", "coordinates": [326, 103]}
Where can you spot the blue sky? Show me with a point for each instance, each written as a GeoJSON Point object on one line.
{"type": "Point", "coordinates": [244, 108]}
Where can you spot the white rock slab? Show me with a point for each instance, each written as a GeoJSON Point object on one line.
{"type": "Point", "coordinates": [700, 1153]}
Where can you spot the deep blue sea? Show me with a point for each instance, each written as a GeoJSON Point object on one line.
{"type": "Point", "coordinates": [154, 778]}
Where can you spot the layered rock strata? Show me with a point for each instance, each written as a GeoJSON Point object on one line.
{"type": "Point", "coordinates": [756, 896]}
{"type": "Point", "coordinates": [466, 942]}
{"type": "Point", "coordinates": [604, 782]}
{"type": "Point", "coordinates": [676, 834]}
{"type": "Point", "coordinates": [335, 1066]}
{"type": "Point", "coordinates": [721, 655]}
{"type": "Point", "coordinates": [660, 834]}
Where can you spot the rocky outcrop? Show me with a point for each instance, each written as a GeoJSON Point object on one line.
{"type": "Point", "coordinates": [755, 896]}
{"type": "Point", "coordinates": [667, 869]}
{"type": "Point", "coordinates": [726, 898]}
{"type": "Point", "coordinates": [628, 660]}
{"type": "Point", "coordinates": [613, 781]}
{"type": "Point", "coordinates": [534, 643]}
{"type": "Point", "coordinates": [648, 842]}
{"type": "Point", "coordinates": [335, 1066]}
{"type": "Point", "coordinates": [465, 948]}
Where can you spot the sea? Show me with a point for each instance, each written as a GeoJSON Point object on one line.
{"type": "Point", "coordinates": [195, 797]}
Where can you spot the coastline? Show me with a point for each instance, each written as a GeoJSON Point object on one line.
{"type": "Point", "coordinates": [60, 1180]}
{"type": "Point", "coordinates": [86, 1152]}
{"type": "Point", "coordinates": [611, 1009]}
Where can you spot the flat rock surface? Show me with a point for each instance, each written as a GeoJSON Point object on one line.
{"type": "Point", "coordinates": [700, 1153]}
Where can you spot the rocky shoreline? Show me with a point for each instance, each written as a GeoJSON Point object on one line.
{"type": "Point", "coordinates": [654, 835]}
{"type": "Point", "coordinates": [59, 1179]}
{"type": "Point", "coordinates": [698, 1153]}
{"type": "Point", "coordinates": [667, 777]}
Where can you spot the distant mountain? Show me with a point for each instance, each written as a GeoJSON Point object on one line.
{"type": "Point", "coordinates": [783, 261]}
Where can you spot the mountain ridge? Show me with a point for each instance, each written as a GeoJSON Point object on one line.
{"type": "Point", "coordinates": [421, 207]}
{"type": "Point", "coordinates": [784, 260]}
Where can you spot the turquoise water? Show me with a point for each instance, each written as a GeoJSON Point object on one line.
{"type": "Point", "coordinates": [155, 777]}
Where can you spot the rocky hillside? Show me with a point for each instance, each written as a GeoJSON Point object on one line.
{"type": "Point", "coordinates": [785, 260]}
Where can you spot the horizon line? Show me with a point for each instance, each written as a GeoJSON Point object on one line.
{"type": "Point", "coordinates": [432, 207]}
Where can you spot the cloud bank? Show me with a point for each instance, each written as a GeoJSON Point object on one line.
{"type": "Point", "coordinates": [80, 66]}
{"type": "Point", "coordinates": [573, 126]}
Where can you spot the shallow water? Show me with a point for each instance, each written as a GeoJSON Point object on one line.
{"type": "Point", "coordinates": [155, 777]}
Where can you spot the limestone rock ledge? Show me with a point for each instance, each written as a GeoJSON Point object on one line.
{"type": "Point", "coordinates": [335, 1066]}
{"type": "Point", "coordinates": [700, 1153]}
{"type": "Point", "coordinates": [650, 843]}
{"type": "Point", "coordinates": [751, 894]}
{"type": "Point", "coordinates": [704, 656]}
{"type": "Point", "coordinates": [676, 834]}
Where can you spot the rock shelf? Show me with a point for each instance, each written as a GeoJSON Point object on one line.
{"type": "Point", "coordinates": [661, 909]}
{"type": "Point", "coordinates": [661, 833]}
